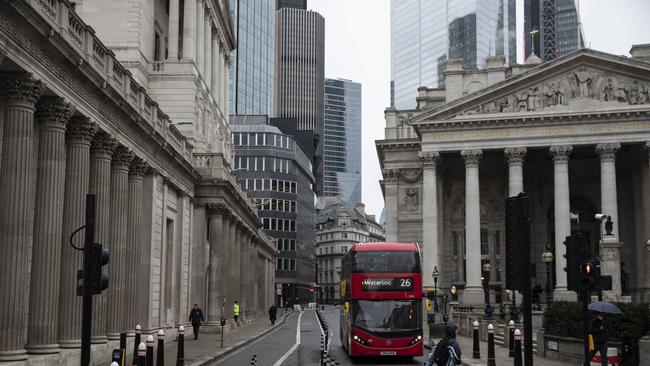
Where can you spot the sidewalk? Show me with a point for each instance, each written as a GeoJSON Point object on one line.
{"type": "Point", "coordinates": [208, 347]}
{"type": "Point", "coordinates": [501, 353]}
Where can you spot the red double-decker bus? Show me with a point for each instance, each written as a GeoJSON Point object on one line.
{"type": "Point", "coordinates": [381, 291]}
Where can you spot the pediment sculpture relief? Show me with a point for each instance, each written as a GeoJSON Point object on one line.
{"type": "Point", "coordinates": [559, 93]}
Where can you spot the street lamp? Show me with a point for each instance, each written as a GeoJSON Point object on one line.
{"type": "Point", "coordinates": [486, 285]}
{"type": "Point", "coordinates": [547, 257]}
{"type": "Point", "coordinates": [435, 276]}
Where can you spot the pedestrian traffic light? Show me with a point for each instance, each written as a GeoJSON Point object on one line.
{"type": "Point", "coordinates": [99, 258]}
{"type": "Point", "coordinates": [589, 274]}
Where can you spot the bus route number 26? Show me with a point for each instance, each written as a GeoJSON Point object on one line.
{"type": "Point", "coordinates": [405, 282]}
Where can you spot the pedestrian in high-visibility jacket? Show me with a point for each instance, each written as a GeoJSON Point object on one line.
{"type": "Point", "coordinates": [235, 311]}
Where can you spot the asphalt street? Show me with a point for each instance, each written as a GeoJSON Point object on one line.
{"type": "Point", "coordinates": [290, 345]}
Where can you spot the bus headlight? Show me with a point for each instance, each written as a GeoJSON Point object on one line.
{"type": "Point", "coordinates": [358, 339]}
{"type": "Point", "coordinates": [416, 340]}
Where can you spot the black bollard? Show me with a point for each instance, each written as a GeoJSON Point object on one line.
{"type": "Point", "coordinates": [180, 351]}
{"type": "Point", "coordinates": [511, 338]}
{"type": "Point", "coordinates": [518, 348]}
{"type": "Point", "coordinates": [142, 354]}
{"type": "Point", "coordinates": [138, 330]}
{"type": "Point", "coordinates": [160, 357]}
{"type": "Point", "coordinates": [491, 357]}
{"type": "Point", "coordinates": [476, 352]}
{"type": "Point", "coordinates": [150, 344]}
{"type": "Point", "coordinates": [123, 341]}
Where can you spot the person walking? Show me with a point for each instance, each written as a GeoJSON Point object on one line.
{"type": "Point", "coordinates": [447, 351]}
{"type": "Point", "coordinates": [196, 317]}
{"type": "Point", "coordinates": [273, 313]}
{"type": "Point", "coordinates": [235, 311]}
{"type": "Point", "coordinates": [597, 331]}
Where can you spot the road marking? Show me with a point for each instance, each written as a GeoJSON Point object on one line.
{"type": "Point", "coordinates": [295, 346]}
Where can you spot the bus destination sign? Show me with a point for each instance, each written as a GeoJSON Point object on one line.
{"type": "Point", "coordinates": [387, 284]}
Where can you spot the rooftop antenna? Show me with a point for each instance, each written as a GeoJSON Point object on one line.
{"type": "Point", "coordinates": [580, 33]}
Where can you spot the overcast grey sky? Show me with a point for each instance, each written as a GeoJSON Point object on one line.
{"type": "Point", "coordinates": [357, 47]}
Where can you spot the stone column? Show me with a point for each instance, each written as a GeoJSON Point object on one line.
{"type": "Point", "coordinates": [79, 133]}
{"type": "Point", "coordinates": [173, 23]}
{"type": "Point", "coordinates": [610, 263]}
{"type": "Point", "coordinates": [207, 50]}
{"type": "Point", "coordinates": [515, 157]}
{"type": "Point", "coordinates": [240, 274]}
{"type": "Point", "coordinates": [214, 74]}
{"type": "Point", "coordinates": [225, 263]}
{"type": "Point", "coordinates": [101, 150]}
{"type": "Point", "coordinates": [430, 247]}
{"type": "Point", "coordinates": [189, 29]}
{"type": "Point", "coordinates": [52, 114]}
{"type": "Point", "coordinates": [215, 226]}
{"type": "Point", "coordinates": [560, 155]}
{"type": "Point", "coordinates": [223, 76]}
{"type": "Point", "coordinates": [200, 35]}
{"type": "Point", "coordinates": [473, 293]}
{"type": "Point", "coordinates": [391, 177]}
{"type": "Point", "coordinates": [117, 266]}
{"type": "Point", "coordinates": [137, 171]}
{"type": "Point", "coordinates": [233, 281]}
{"type": "Point", "coordinates": [20, 93]}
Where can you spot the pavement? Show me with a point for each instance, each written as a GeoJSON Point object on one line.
{"type": "Point", "coordinates": [501, 355]}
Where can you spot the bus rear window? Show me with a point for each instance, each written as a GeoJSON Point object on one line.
{"type": "Point", "coordinates": [385, 262]}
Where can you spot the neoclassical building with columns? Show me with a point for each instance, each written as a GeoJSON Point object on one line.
{"type": "Point", "coordinates": [138, 119]}
{"type": "Point", "coordinates": [572, 133]}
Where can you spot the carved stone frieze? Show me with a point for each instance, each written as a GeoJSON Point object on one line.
{"type": "Point", "coordinates": [80, 128]}
{"type": "Point", "coordinates": [472, 157]}
{"type": "Point", "coordinates": [138, 167]}
{"type": "Point", "coordinates": [410, 175]}
{"type": "Point", "coordinates": [560, 152]}
{"type": "Point", "coordinates": [21, 88]}
{"type": "Point", "coordinates": [410, 199]}
{"type": "Point", "coordinates": [391, 175]}
{"type": "Point", "coordinates": [560, 92]}
{"type": "Point", "coordinates": [103, 143]}
{"type": "Point", "coordinates": [123, 156]}
{"type": "Point", "coordinates": [53, 111]}
{"type": "Point", "coordinates": [515, 155]}
{"type": "Point", "coordinates": [608, 151]}
{"type": "Point", "coordinates": [429, 158]}
{"type": "Point", "coordinates": [215, 209]}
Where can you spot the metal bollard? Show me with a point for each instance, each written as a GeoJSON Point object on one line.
{"type": "Point", "coordinates": [138, 330]}
{"type": "Point", "coordinates": [160, 357]}
{"type": "Point", "coordinates": [142, 354]}
{"type": "Point", "coordinates": [123, 341]}
{"type": "Point", "coordinates": [491, 357]}
{"type": "Point", "coordinates": [150, 344]}
{"type": "Point", "coordinates": [476, 352]}
{"type": "Point", "coordinates": [511, 338]}
{"type": "Point", "coordinates": [180, 351]}
{"type": "Point", "coordinates": [518, 347]}
{"type": "Point", "coordinates": [114, 363]}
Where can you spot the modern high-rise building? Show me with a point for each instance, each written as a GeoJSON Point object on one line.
{"type": "Point", "coordinates": [300, 75]}
{"type": "Point", "coordinates": [426, 33]}
{"type": "Point", "coordinates": [342, 140]}
{"type": "Point", "coordinates": [555, 26]}
{"type": "Point", "coordinates": [295, 4]}
{"type": "Point", "coordinates": [252, 71]}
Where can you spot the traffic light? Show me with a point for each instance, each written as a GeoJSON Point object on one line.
{"type": "Point", "coordinates": [572, 267]}
{"type": "Point", "coordinates": [98, 258]}
{"type": "Point", "coordinates": [589, 274]}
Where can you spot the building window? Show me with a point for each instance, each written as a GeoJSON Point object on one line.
{"type": "Point", "coordinates": [156, 47]}
{"type": "Point", "coordinates": [344, 249]}
{"type": "Point", "coordinates": [455, 241]}
{"type": "Point", "coordinates": [485, 245]}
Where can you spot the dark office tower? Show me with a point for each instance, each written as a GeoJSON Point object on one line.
{"type": "Point", "coordinates": [251, 79]}
{"type": "Point", "coordinates": [342, 141]}
{"type": "Point", "coordinates": [300, 75]}
{"type": "Point", "coordinates": [425, 33]}
{"type": "Point", "coordinates": [558, 28]}
{"type": "Point", "coordinates": [294, 4]}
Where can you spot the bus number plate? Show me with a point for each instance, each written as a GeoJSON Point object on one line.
{"type": "Point", "coordinates": [387, 284]}
{"type": "Point", "coordinates": [387, 353]}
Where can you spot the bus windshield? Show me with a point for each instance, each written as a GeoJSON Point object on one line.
{"type": "Point", "coordinates": [386, 317]}
{"type": "Point", "coordinates": [386, 262]}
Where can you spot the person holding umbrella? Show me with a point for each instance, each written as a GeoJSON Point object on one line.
{"type": "Point", "coordinates": [597, 328]}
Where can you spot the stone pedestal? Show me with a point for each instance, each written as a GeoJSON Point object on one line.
{"type": "Point", "coordinates": [610, 265]}
{"type": "Point", "coordinates": [473, 296]}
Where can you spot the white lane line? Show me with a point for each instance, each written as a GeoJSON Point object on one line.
{"type": "Point", "coordinates": [295, 346]}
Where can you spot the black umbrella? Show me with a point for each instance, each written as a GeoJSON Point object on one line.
{"type": "Point", "coordinates": [604, 307]}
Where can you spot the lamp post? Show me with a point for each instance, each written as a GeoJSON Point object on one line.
{"type": "Point", "coordinates": [486, 285]}
{"type": "Point", "coordinates": [547, 257]}
{"type": "Point", "coordinates": [445, 298]}
{"type": "Point", "coordinates": [435, 276]}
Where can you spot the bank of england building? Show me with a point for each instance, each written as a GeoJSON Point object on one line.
{"type": "Point", "coordinates": [572, 133]}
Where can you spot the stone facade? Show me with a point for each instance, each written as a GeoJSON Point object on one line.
{"type": "Point", "coordinates": [572, 133]}
{"type": "Point", "coordinates": [77, 117]}
{"type": "Point", "coordinates": [339, 225]}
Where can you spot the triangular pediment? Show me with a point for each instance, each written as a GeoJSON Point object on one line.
{"type": "Point", "coordinates": [583, 81]}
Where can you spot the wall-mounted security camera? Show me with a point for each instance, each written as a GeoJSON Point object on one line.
{"type": "Point", "coordinates": [601, 217]}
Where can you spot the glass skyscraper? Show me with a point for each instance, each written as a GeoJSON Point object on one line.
{"type": "Point", "coordinates": [252, 72]}
{"type": "Point", "coordinates": [557, 23]}
{"type": "Point", "coordinates": [342, 159]}
{"type": "Point", "coordinates": [425, 33]}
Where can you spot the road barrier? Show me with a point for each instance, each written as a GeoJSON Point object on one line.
{"type": "Point", "coordinates": [150, 343]}
{"type": "Point", "coordinates": [160, 357]}
{"type": "Point", "coordinates": [142, 354]}
{"type": "Point", "coordinates": [138, 331]}
{"type": "Point", "coordinates": [518, 361]}
{"type": "Point", "coordinates": [180, 351]}
{"type": "Point", "coordinates": [491, 357]}
{"type": "Point", "coordinates": [511, 338]}
{"type": "Point", "coordinates": [476, 351]}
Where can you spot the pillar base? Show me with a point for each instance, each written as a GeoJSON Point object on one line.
{"type": "Point", "coordinates": [43, 349]}
{"type": "Point", "coordinates": [562, 294]}
{"type": "Point", "coordinates": [472, 296]}
{"type": "Point", "coordinates": [113, 336]}
{"type": "Point", "coordinates": [70, 343]}
{"type": "Point", "coordinates": [15, 355]}
{"type": "Point", "coordinates": [98, 340]}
